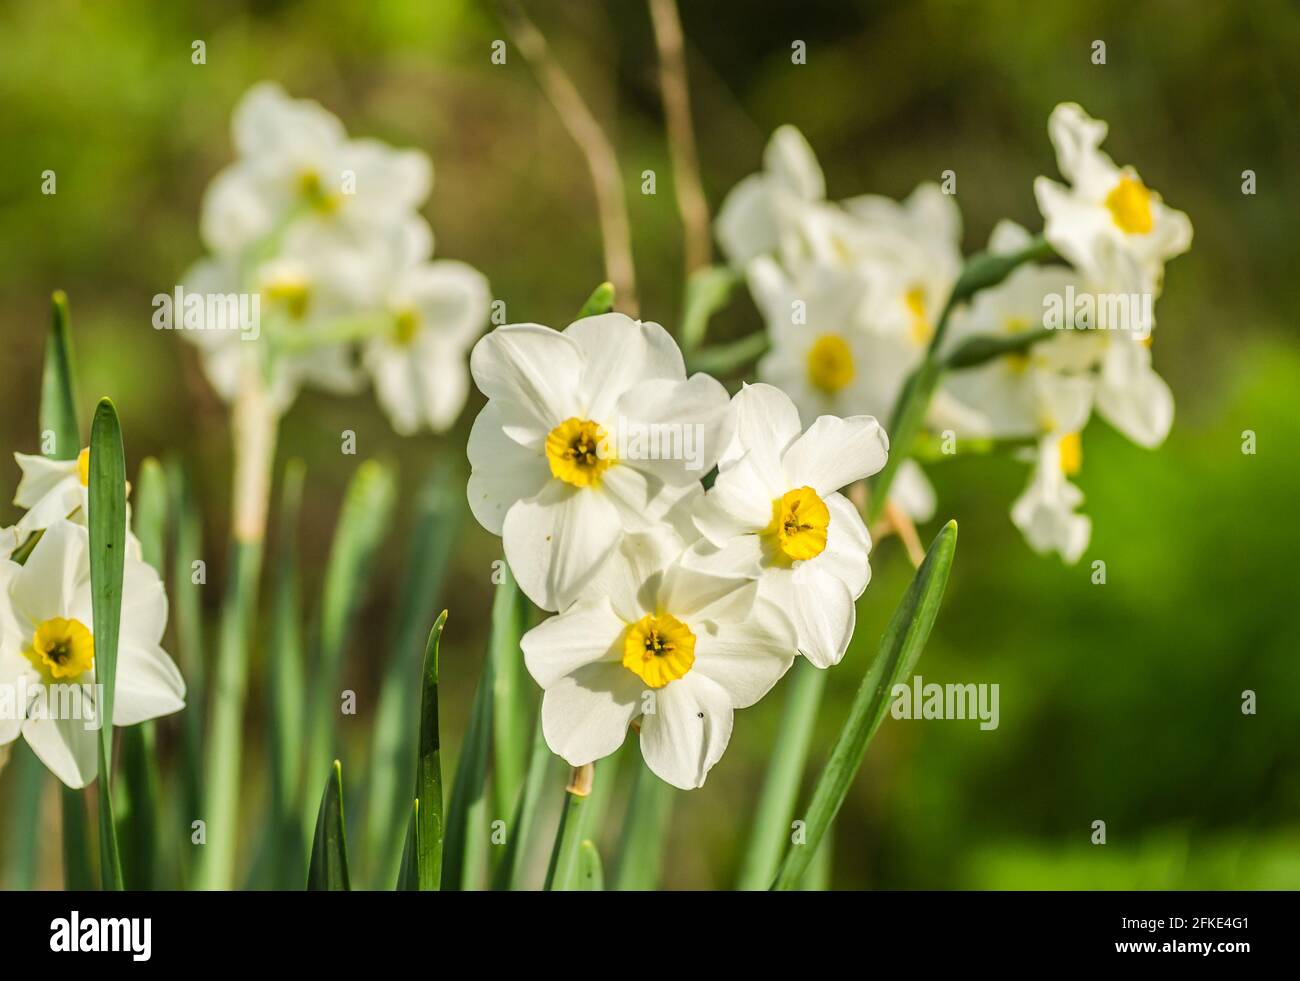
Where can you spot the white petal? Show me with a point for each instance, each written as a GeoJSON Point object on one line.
{"type": "Point", "coordinates": [451, 298]}
{"type": "Point", "coordinates": [823, 613]}
{"type": "Point", "coordinates": [41, 477]}
{"type": "Point", "coordinates": [586, 633]}
{"type": "Point", "coordinates": [835, 452]}
{"type": "Point", "coordinates": [502, 471]}
{"type": "Point", "coordinates": [631, 578]}
{"type": "Point", "coordinates": [848, 546]}
{"type": "Point", "coordinates": [66, 746]}
{"type": "Point", "coordinates": [673, 430]}
{"type": "Point", "coordinates": [585, 715]}
{"type": "Point", "coordinates": [621, 352]}
{"type": "Point", "coordinates": [144, 604]}
{"type": "Point", "coordinates": [56, 571]}
{"type": "Point", "coordinates": [790, 160]}
{"type": "Point", "coordinates": [1132, 397]}
{"type": "Point", "coordinates": [913, 492]}
{"type": "Point", "coordinates": [739, 502]}
{"type": "Point", "coordinates": [764, 422]}
{"type": "Point", "coordinates": [532, 372]}
{"type": "Point", "coordinates": [746, 225]}
{"type": "Point", "coordinates": [689, 730]}
{"type": "Point", "coordinates": [149, 685]}
{"type": "Point", "coordinates": [746, 658]}
{"type": "Point", "coordinates": [556, 541]}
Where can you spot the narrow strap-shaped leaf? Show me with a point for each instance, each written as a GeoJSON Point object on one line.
{"type": "Point", "coordinates": [600, 301]}
{"type": "Point", "coordinates": [904, 639]}
{"type": "Point", "coordinates": [591, 874]}
{"type": "Point", "coordinates": [776, 803]}
{"type": "Point", "coordinates": [510, 713]}
{"type": "Point", "coordinates": [470, 784]}
{"type": "Point", "coordinates": [27, 777]}
{"type": "Point", "coordinates": [520, 833]}
{"type": "Point", "coordinates": [562, 874]}
{"type": "Point", "coordinates": [408, 874]}
{"type": "Point", "coordinates": [428, 780]}
{"type": "Point", "coordinates": [645, 830]}
{"type": "Point", "coordinates": [186, 616]}
{"type": "Point", "coordinates": [58, 388]}
{"type": "Point", "coordinates": [363, 525]}
{"type": "Point", "coordinates": [328, 870]}
{"type": "Point", "coordinates": [430, 540]}
{"type": "Point", "coordinates": [107, 518]}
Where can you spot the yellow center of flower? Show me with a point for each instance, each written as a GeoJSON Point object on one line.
{"type": "Point", "coordinates": [312, 190]}
{"type": "Point", "coordinates": [1130, 206]}
{"type": "Point", "coordinates": [293, 294]}
{"type": "Point", "coordinates": [799, 522]}
{"type": "Point", "coordinates": [830, 363]}
{"type": "Point", "coordinates": [921, 328]}
{"type": "Point", "coordinates": [83, 467]}
{"type": "Point", "coordinates": [61, 649]}
{"type": "Point", "coordinates": [405, 326]}
{"type": "Point", "coordinates": [659, 649]}
{"type": "Point", "coordinates": [1071, 449]}
{"type": "Point", "coordinates": [578, 452]}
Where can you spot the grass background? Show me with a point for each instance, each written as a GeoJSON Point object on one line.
{"type": "Point", "coordinates": [1119, 702]}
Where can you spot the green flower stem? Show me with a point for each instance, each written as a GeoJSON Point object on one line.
{"type": "Point", "coordinates": [253, 430]}
{"type": "Point", "coordinates": [722, 359]}
{"type": "Point", "coordinates": [645, 830]}
{"type": "Point", "coordinates": [776, 803]}
{"type": "Point", "coordinates": [563, 874]}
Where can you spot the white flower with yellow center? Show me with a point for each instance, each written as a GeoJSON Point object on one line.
{"type": "Point", "coordinates": [296, 164]}
{"type": "Point", "coordinates": [52, 490]}
{"type": "Point", "coordinates": [438, 310]}
{"type": "Point", "coordinates": [774, 511]}
{"type": "Point", "coordinates": [654, 639]}
{"type": "Point", "coordinates": [760, 215]}
{"type": "Point", "coordinates": [588, 433]}
{"type": "Point", "coordinates": [47, 653]}
{"type": "Point", "coordinates": [1045, 512]}
{"type": "Point", "coordinates": [1108, 223]}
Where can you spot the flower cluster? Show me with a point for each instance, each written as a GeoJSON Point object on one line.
{"type": "Point", "coordinates": [854, 292]}
{"type": "Point", "coordinates": [48, 691]}
{"type": "Point", "coordinates": [674, 605]}
{"type": "Point", "coordinates": [325, 232]}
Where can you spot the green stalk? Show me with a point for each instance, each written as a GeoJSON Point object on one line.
{"type": "Point", "coordinates": [27, 777]}
{"type": "Point", "coordinates": [439, 506]}
{"type": "Point", "coordinates": [408, 873]}
{"type": "Point", "coordinates": [776, 803]}
{"type": "Point", "coordinates": [645, 828]}
{"type": "Point", "coordinates": [254, 426]}
{"type": "Point", "coordinates": [78, 868]}
{"type": "Point", "coordinates": [591, 874]}
{"type": "Point", "coordinates": [519, 841]}
{"type": "Point", "coordinates": [563, 873]}
{"type": "Point", "coordinates": [469, 788]}
{"type": "Point", "coordinates": [428, 829]}
{"type": "Point", "coordinates": [328, 868]}
{"type": "Point", "coordinates": [904, 639]}
{"type": "Point", "coordinates": [510, 703]}
{"type": "Point", "coordinates": [58, 413]}
{"type": "Point", "coordinates": [187, 545]}
{"type": "Point", "coordinates": [285, 686]}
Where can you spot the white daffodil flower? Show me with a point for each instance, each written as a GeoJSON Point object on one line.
{"type": "Point", "coordinates": [52, 490]}
{"type": "Point", "coordinates": [774, 512]}
{"type": "Point", "coordinates": [419, 367]}
{"type": "Point", "coordinates": [47, 653]}
{"type": "Point", "coordinates": [1045, 512]}
{"type": "Point", "coordinates": [588, 433]}
{"type": "Point", "coordinates": [760, 213]}
{"type": "Point", "coordinates": [296, 163]}
{"type": "Point", "coordinates": [654, 639]}
{"type": "Point", "coordinates": [1108, 223]}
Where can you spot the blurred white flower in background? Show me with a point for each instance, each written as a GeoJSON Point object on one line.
{"type": "Point", "coordinates": [325, 230]}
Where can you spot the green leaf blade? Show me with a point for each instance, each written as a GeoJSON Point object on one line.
{"type": "Point", "coordinates": [901, 646]}
{"type": "Point", "coordinates": [428, 784]}
{"type": "Point", "coordinates": [328, 869]}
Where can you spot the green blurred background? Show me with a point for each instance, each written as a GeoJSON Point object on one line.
{"type": "Point", "coordinates": [1119, 702]}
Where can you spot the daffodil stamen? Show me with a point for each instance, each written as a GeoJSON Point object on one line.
{"type": "Point", "coordinates": [921, 329]}
{"type": "Point", "coordinates": [830, 364]}
{"type": "Point", "coordinates": [1130, 206]}
{"type": "Point", "coordinates": [1071, 449]}
{"type": "Point", "coordinates": [312, 190]}
{"type": "Point", "coordinates": [61, 649]}
{"type": "Point", "coordinates": [406, 324]}
{"type": "Point", "coordinates": [800, 520]}
{"type": "Point", "coordinates": [578, 452]}
{"type": "Point", "coordinates": [658, 649]}
{"type": "Point", "coordinates": [293, 294]}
